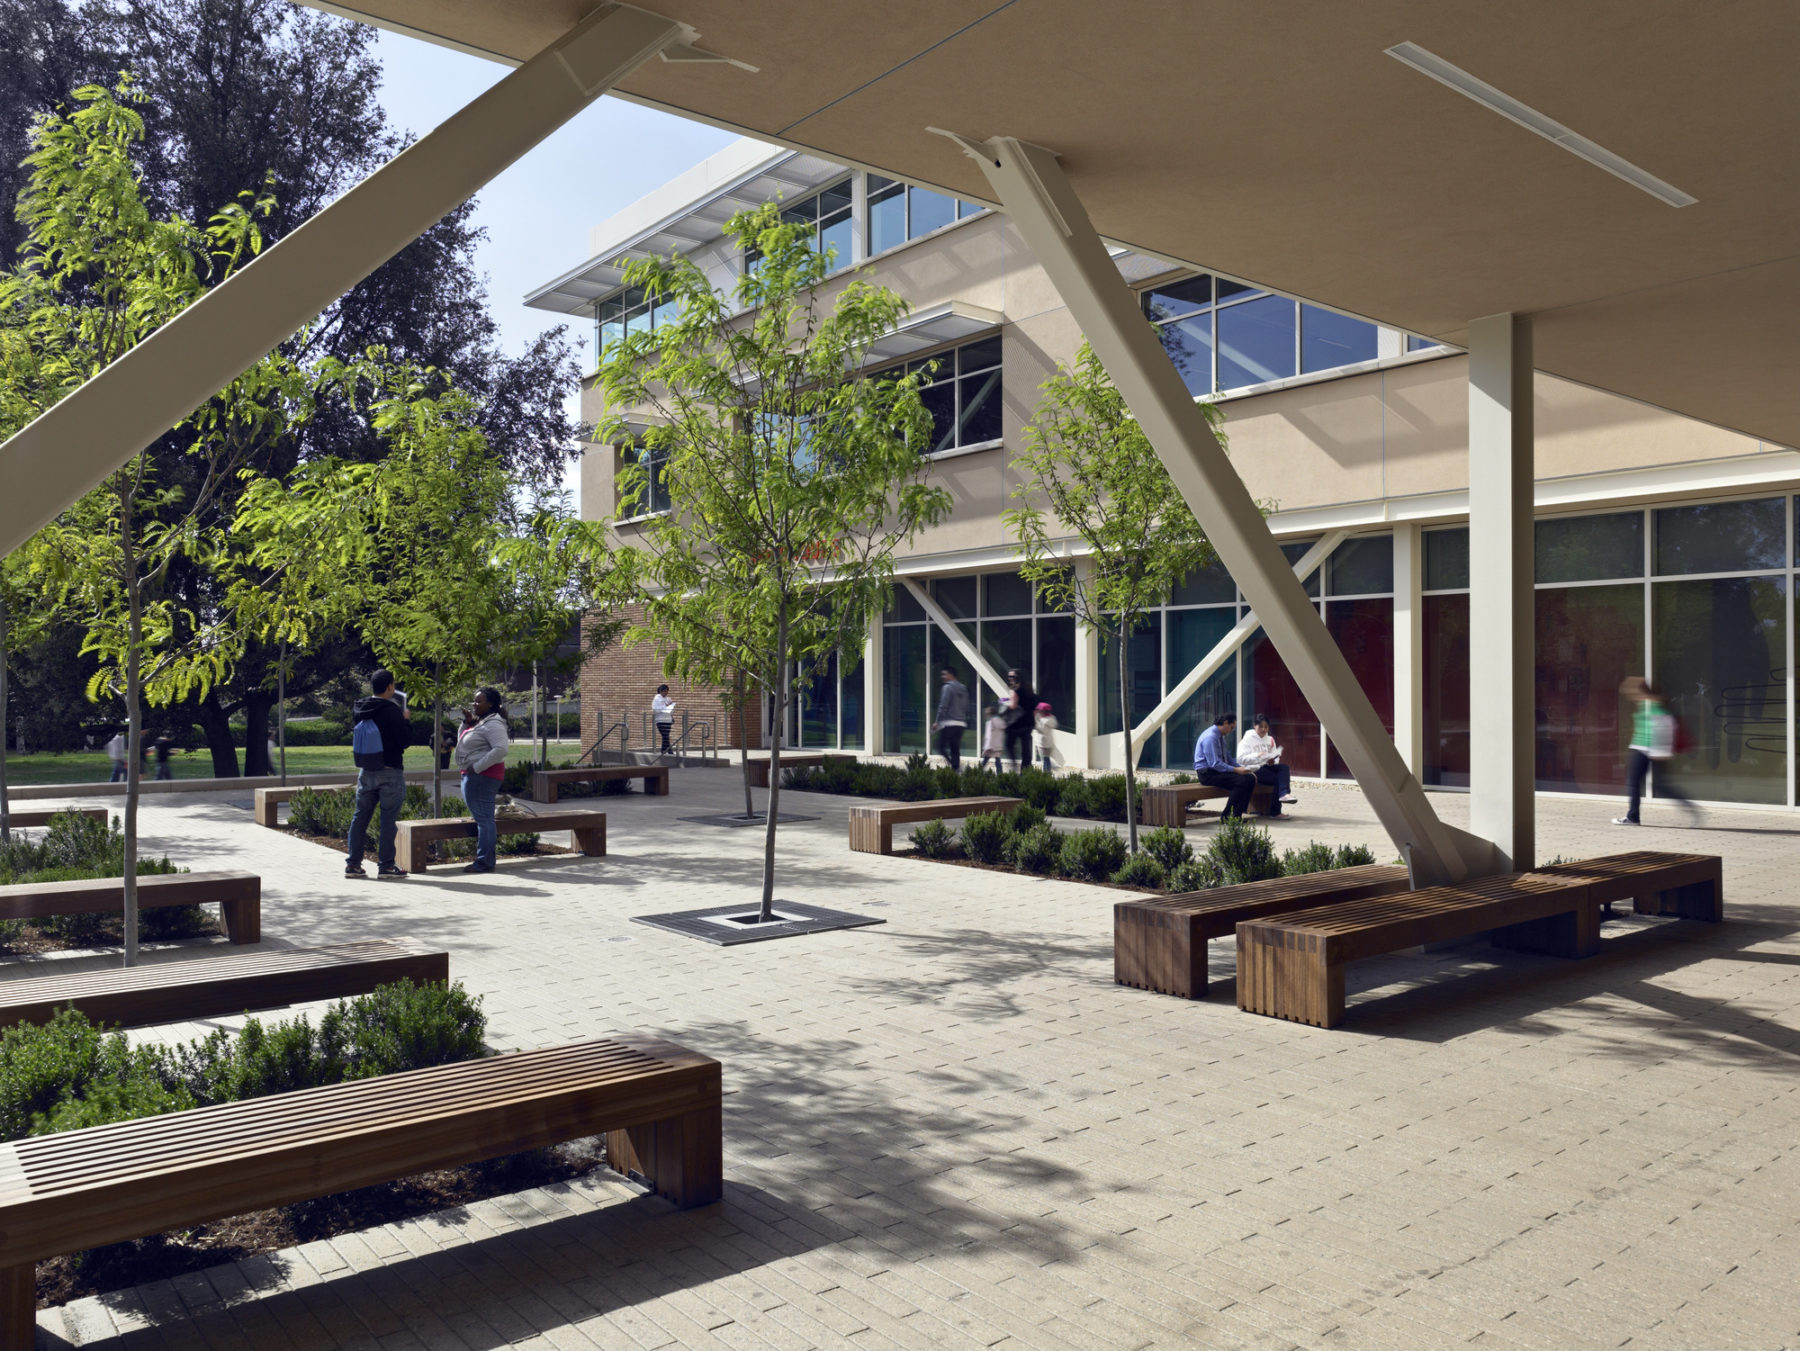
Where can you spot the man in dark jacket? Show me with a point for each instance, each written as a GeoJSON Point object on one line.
{"type": "Point", "coordinates": [952, 717]}
{"type": "Point", "coordinates": [380, 733]}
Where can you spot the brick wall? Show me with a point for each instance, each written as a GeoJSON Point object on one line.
{"type": "Point", "coordinates": [618, 681]}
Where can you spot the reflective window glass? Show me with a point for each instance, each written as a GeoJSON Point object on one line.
{"type": "Point", "coordinates": [1446, 692]}
{"type": "Point", "coordinates": [966, 209]}
{"type": "Point", "coordinates": [904, 608]}
{"type": "Point", "coordinates": [1271, 690]}
{"type": "Point", "coordinates": [1006, 643]}
{"type": "Point", "coordinates": [887, 218]}
{"type": "Point", "coordinates": [850, 708]}
{"type": "Point", "coordinates": [834, 199]}
{"type": "Point", "coordinates": [1191, 634]}
{"type": "Point", "coordinates": [978, 355]}
{"type": "Point", "coordinates": [1143, 680]}
{"type": "Point", "coordinates": [1173, 299]}
{"type": "Point", "coordinates": [1210, 585]}
{"type": "Point", "coordinates": [1056, 670]}
{"type": "Point", "coordinates": [1256, 342]}
{"type": "Point", "coordinates": [1328, 339]}
{"type": "Point", "coordinates": [1590, 548]}
{"type": "Point", "coordinates": [930, 211]}
{"type": "Point", "coordinates": [1294, 551]}
{"type": "Point", "coordinates": [905, 713]}
{"type": "Point", "coordinates": [1234, 290]}
{"type": "Point", "coordinates": [1721, 537]}
{"type": "Point", "coordinates": [1363, 567]}
{"type": "Point", "coordinates": [956, 595]}
{"type": "Point", "coordinates": [978, 418]}
{"type": "Point", "coordinates": [940, 402]}
{"type": "Point", "coordinates": [834, 239]}
{"type": "Point", "coordinates": [1447, 559]}
{"type": "Point", "coordinates": [1421, 344]}
{"type": "Point", "coordinates": [1364, 630]}
{"type": "Point", "coordinates": [1189, 343]}
{"type": "Point", "coordinates": [1589, 638]}
{"type": "Point", "coordinates": [1005, 593]}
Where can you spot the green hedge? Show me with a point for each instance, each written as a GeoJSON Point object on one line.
{"type": "Point", "coordinates": [1101, 798]}
{"type": "Point", "coordinates": [329, 812]}
{"type": "Point", "coordinates": [74, 848]}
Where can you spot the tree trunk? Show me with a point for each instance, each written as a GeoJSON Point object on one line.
{"type": "Point", "coordinates": [737, 689]}
{"type": "Point", "coordinates": [1130, 768]}
{"type": "Point", "coordinates": [437, 731]}
{"type": "Point", "coordinates": [134, 716]}
{"type": "Point", "coordinates": [5, 722]}
{"type": "Point", "coordinates": [257, 703]}
{"type": "Point", "coordinates": [281, 711]}
{"type": "Point", "coordinates": [216, 724]}
{"type": "Point", "coordinates": [545, 760]}
{"type": "Point", "coordinates": [777, 735]}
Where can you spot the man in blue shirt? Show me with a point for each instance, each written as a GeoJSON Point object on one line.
{"type": "Point", "coordinates": [1216, 765]}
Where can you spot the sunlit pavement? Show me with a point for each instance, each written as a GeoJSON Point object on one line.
{"type": "Point", "coordinates": [953, 1129]}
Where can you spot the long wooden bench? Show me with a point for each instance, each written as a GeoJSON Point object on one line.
{"type": "Point", "coordinates": [546, 782]}
{"type": "Point", "coordinates": [1293, 966]}
{"type": "Point", "coordinates": [166, 992]}
{"type": "Point", "coordinates": [872, 826]}
{"type": "Point", "coordinates": [1681, 886]}
{"type": "Point", "coordinates": [270, 800]}
{"type": "Point", "coordinates": [759, 769]}
{"type": "Point", "coordinates": [30, 818]}
{"type": "Point", "coordinates": [1159, 942]}
{"type": "Point", "coordinates": [658, 1104]}
{"type": "Point", "coordinates": [1167, 804]}
{"type": "Point", "coordinates": [412, 851]}
{"type": "Point", "coordinates": [238, 896]}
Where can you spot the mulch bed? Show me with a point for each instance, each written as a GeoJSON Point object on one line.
{"type": "Point", "coordinates": [1030, 877]}
{"type": "Point", "coordinates": [336, 843]}
{"type": "Point", "coordinates": [30, 940]}
{"type": "Point", "coordinates": [124, 1265]}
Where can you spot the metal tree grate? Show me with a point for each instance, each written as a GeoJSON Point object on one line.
{"type": "Point", "coordinates": [724, 925]}
{"type": "Point", "coordinates": [739, 819]}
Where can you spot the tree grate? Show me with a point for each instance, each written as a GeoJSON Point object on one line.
{"type": "Point", "coordinates": [719, 924]}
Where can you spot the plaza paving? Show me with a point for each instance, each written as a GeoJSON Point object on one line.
{"type": "Point", "coordinates": [954, 1130]}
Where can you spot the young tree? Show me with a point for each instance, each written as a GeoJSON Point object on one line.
{"type": "Point", "coordinates": [1088, 468]}
{"type": "Point", "coordinates": [99, 273]}
{"type": "Point", "coordinates": [795, 468]}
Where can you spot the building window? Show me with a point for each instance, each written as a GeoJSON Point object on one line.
{"type": "Point", "coordinates": [630, 311]}
{"type": "Point", "coordinates": [899, 212]}
{"type": "Point", "coordinates": [650, 494]}
{"type": "Point", "coordinates": [962, 394]}
{"type": "Point", "coordinates": [828, 213]}
{"type": "Point", "coordinates": [1224, 335]}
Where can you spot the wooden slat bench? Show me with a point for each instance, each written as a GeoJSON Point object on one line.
{"type": "Point", "coordinates": [1159, 942]}
{"type": "Point", "coordinates": [411, 851]}
{"type": "Point", "coordinates": [1167, 804]}
{"type": "Point", "coordinates": [270, 800]}
{"type": "Point", "coordinates": [545, 782]}
{"type": "Point", "coordinates": [658, 1104]}
{"type": "Point", "coordinates": [167, 992]}
{"type": "Point", "coordinates": [30, 818]}
{"type": "Point", "coordinates": [238, 896]}
{"type": "Point", "coordinates": [759, 769]}
{"type": "Point", "coordinates": [1683, 886]}
{"type": "Point", "coordinates": [872, 827]}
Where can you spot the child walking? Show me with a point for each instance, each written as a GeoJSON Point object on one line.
{"type": "Point", "coordinates": [993, 740]}
{"type": "Point", "coordinates": [1046, 736]}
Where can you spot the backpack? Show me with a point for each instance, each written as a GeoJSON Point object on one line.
{"type": "Point", "coordinates": [367, 746]}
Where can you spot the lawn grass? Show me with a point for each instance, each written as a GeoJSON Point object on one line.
{"type": "Point", "coordinates": [94, 767]}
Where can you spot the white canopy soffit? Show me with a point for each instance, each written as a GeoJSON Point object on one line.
{"type": "Point", "coordinates": [1623, 171]}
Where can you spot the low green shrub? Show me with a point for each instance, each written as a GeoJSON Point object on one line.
{"type": "Point", "coordinates": [323, 732]}
{"type": "Point", "coordinates": [1168, 845]}
{"type": "Point", "coordinates": [1354, 856]}
{"type": "Point", "coordinates": [1141, 870]}
{"type": "Point", "coordinates": [1093, 855]}
{"type": "Point", "coordinates": [1180, 779]}
{"type": "Point", "coordinates": [1242, 852]}
{"type": "Point", "coordinates": [1197, 874]}
{"type": "Point", "coordinates": [45, 1068]}
{"type": "Point", "coordinates": [984, 836]}
{"type": "Point", "coordinates": [1036, 850]}
{"type": "Point", "coordinates": [1072, 796]}
{"type": "Point", "coordinates": [75, 848]}
{"type": "Point", "coordinates": [934, 839]}
{"type": "Point", "coordinates": [516, 782]}
{"type": "Point", "coordinates": [1315, 858]}
{"type": "Point", "coordinates": [1025, 816]}
{"type": "Point", "coordinates": [1041, 790]}
{"type": "Point", "coordinates": [1106, 797]}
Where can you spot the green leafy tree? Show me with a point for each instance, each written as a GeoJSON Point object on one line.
{"type": "Point", "coordinates": [99, 272]}
{"type": "Point", "coordinates": [796, 468]}
{"type": "Point", "coordinates": [1089, 469]}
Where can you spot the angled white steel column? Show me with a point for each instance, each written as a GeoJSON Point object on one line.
{"type": "Point", "coordinates": [1034, 192]}
{"type": "Point", "coordinates": [1502, 665]}
{"type": "Point", "coordinates": [53, 461]}
{"type": "Point", "coordinates": [958, 639]}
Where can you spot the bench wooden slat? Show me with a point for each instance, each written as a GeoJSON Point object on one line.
{"type": "Point", "coordinates": [658, 1103]}
{"type": "Point", "coordinates": [174, 991]}
{"type": "Point", "coordinates": [546, 782]}
{"type": "Point", "coordinates": [31, 818]}
{"type": "Point", "coordinates": [1166, 804]}
{"type": "Point", "coordinates": [1159, 942]}
{"type": "Point", "coordinates": [1684, 886]}
{"type": "Point", "coordinates": [411, 852]}
{"type": "Point", "coordinates": [237, 894]}
{"type": "Point", "coordinates": [872, 824]}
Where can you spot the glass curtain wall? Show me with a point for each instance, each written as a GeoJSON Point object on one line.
{"type": "Point", "coordinates": [1225, 335]}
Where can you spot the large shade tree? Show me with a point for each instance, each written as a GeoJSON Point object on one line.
{"type": "Point", "coordinates": [795, 465]}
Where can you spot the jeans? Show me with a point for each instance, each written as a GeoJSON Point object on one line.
{"type": "Point", "coordinates": [386, 787]}
{"type": "Point", "coordinates": [118, 771]}
{"type": "Point", "coordinates": [164, 770]}
{"type": "Point", "coordinates": [1018, 746]}
{"type": "Point", "coordinates": [1239, 786]}
{"type": "Point", "coordinates": [1276, 776]}
{"type": "Point", "coordinates": [950, 743]}
{"type": "Point", "coordinates": [479, 791]}
{"type": "Point", "coordinates": [664, 727]}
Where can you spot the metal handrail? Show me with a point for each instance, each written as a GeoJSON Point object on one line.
{"type": "Point", "coordinates": [622, 727]}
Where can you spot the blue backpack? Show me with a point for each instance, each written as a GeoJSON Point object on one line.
{"type": "Point", "coordinates": [366, 745]}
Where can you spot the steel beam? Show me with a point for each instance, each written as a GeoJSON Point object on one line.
{"type": "Point", "coordinates": [935, 613]}
{"type": "Point", "coordinates": [1034, 192]}
{"type": "Point", "coordinates": [153, 387]}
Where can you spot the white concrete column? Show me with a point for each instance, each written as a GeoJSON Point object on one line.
{"type": "Point", "coordinates": [873, 709]}
{"type": "Point", "coordinates": [1088, 749]}
{"type": "Point", "coordinates": [1502, 732]}
{"type": "Point", "coordinates": [859, 217]}
{"type": "Point", "coordinates": [1409, 646]}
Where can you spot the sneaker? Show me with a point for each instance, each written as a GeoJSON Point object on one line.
{"type": "Point", "coordinates": [479, 868]}
{"type": "Point", "coordinates": [1290, 798]}
{"type": "Point", "coordinates": [1626, 821]}
{"type": "Point", "coordinates": [387, 872]}
{"type": "Point", "coordinates": [355, 870]}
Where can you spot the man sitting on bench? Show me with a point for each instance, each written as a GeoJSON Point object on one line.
{"type": "Point", "coordinates": [1216, 766]}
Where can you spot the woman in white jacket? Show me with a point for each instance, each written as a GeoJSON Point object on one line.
{"type": "Point", "coordinates": [481, 756]}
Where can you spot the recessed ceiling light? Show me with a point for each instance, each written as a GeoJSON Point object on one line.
{"type": "Point", "coordinates": [1428, 63]}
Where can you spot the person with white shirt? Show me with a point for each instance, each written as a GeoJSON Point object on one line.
{"type": "Point", "coordinates": [1259, 751]}
{"type": "Point", "coordinates": [662, 713]}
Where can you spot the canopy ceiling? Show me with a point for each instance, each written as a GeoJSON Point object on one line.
{"type": "Point", "coordinates": [1276, 140]}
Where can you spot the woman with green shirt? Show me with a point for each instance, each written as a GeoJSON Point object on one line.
{"type": "Point", "coordinates": [1652, 739]}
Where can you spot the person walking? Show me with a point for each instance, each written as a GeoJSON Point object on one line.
{"type": "Point", "coordinates": [1021, 718]}
{"type": "Point", "coordinates": [1652, 740]}
{"type": "Point", "coordinates": [952, 717]}
{"type": "Point", "coordinates": [379, 734]}
{"type": "Point", "coordinates": [1259, 751]}
{"type": "Point", "coordinates": [662, 713]}
{"type": "Point", "coordinates": [481, 756]}
{"type": "Point", "coordinates": [115, 751]}
{"type": "Point", "coordinates": [1217, 767]}
{"type": "Point", "coordinates": [1045, 723]}
{"type": "Point", "coordinates": [993, 739]}
{"type": "Point", "coordinates": [165, 749]}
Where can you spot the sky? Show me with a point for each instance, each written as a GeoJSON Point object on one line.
{"type": "Point", "coordinates": [537, 214]}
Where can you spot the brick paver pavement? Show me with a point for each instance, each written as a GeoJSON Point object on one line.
{"type": "Point", "coordinates": [953, 1130]}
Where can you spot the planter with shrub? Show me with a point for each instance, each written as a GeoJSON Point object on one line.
{"type": "Point", "coordinates": [323, 815]}
{"type": "Point", "coordinates": [76, 848]}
